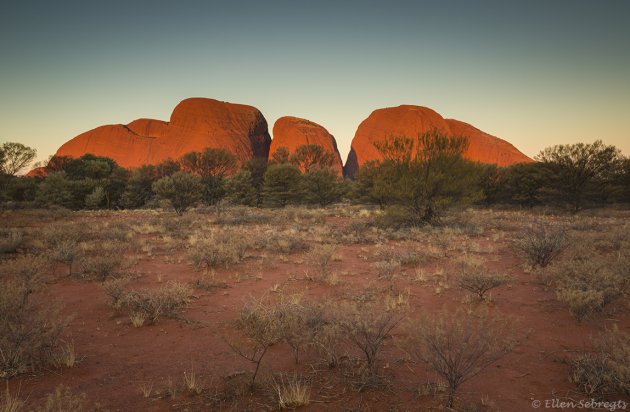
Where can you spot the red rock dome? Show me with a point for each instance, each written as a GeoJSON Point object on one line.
{"type": "Point", "coordinates": [410, 121]}
{"type": "Point", "coordinates": [195, 124]}
{"type": "Point", "coordinates": [293, 132]}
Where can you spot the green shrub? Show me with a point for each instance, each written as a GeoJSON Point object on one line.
{"type": "Point", "coordinates": [541, 244]}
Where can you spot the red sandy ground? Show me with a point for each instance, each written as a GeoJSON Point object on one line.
{"type": "Point", "coordinates": [118, 358]}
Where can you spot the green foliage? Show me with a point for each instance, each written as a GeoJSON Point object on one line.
{"type": "Point", "coordinates": [576, 167]}
{"type": "Point", "coordinates": [282, 185]}
{"type": "Point", "coordinates": [257, 168]}
{"type": "Point", "coordinates": [15, 157]}
{"type": "Point", "coordinates": [138, 191]}
{"type": "Point", "coordinates": [365, 188]}
{"type": "Point", "coordinates": [524, 184]}
{"type": "Point", "coordinates": [213, 188]}
{"type": "Point", "coordinates": [322, 186]}
{"type": "Point", "coordinates": [210, 162]}
{"type": "Point", "coordinates": [240, 189]}
{"type": "Point", "coordinates": [96, 198]}
{"type": "Point", "coordinates": [181, 189]}
{"type": "Point", "coordinates": [425, 176]}
{"type": "Point", "coordinates": [310, 156]}
{"type": "Point", "coordinates": [280, 156]}
{"type": "Point", "coordinates": [56, 189]}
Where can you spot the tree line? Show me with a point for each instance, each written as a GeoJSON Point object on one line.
{"type": "Point", "coordinates": [418, 179]}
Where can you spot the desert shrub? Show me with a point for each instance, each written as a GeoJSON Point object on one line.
{"type": "Point", "coordinates": [166, 301]}
{"type": "Point", "coordinates": [115, 289]}
{"type": "Point", "coordinates": [386, 269]}
{"type": "Point", "coordinates": [61, 243]}
{"type": "Point", "coordinates": [606, 370]}
{"type": "Point", "coordinates": [11, 240]}
{"type": "Point", "coordinates": [286, 242]}
{"type": "Point", "coordinates": [28, 270]}
{"type": "Point", "coordinates": [541, 244]}
{"type": "Point", "coordinates": [29, 332]}
{"type": "Point", "coordinates": [9, 402]}
{"type": "Point", "coordinates": [209, 282]}
{"type": "Point", "coordinates": [480, 283]}
{"type": "Point", "coordinates": [292, 391]}
{"type": "Point", "coordinates": [367, 327]}
{"type": "Point", "coordinates": [298, 325]}
{"type": "Point", "coordinates": [258, 321]}
{"type": "Point", "coordinates": [321, 257]}
{"type": "Point", "coordinates": [63, 400]}
{"type": "Point", "coordinates": [328, 341]}
{"type": "Point", "coordinates": [100, 266]}
{"type": "Point", "coordinates": [587, 286]}
{"type": "Point", "coordinates": [458, 346]}
{"type": "Point", "coordinates": [218, 250]}
{"type": "Point", "coordinates": [183, 190]}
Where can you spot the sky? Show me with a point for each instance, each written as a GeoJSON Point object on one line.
{"type": "Point", "coordinates": [536, 73]}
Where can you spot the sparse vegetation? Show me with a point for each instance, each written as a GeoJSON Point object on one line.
{"type": "Point", "coordinates": [30, 331]}
{"type": "Point", "coordinates": [606, 370]}
{"type": "Point", "coordinates": [480, 283]}
{"type": "Point", "coordinates": [540, 245]}
{"type": "Point", "coordinates": [458, 346]}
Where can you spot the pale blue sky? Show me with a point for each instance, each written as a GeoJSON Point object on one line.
{"type": "Point", "coordinates": [535, 73]}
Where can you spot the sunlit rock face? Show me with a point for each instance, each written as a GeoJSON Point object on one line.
{"type": "Point", "coordinates": [292, 132]}
{"type": "Point", "coordinates": [195, 124]}
{"type": "Point", "coordinates": [411, 121]}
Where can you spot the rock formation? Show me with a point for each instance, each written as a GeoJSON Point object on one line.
{"type": "Point", "coordinates": [195, 124]}
{"type": "Point", "coordinates": [410, 121]}
{"type": "Point", "coordinates": [292, 132]}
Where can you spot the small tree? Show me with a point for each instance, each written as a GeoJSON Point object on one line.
{"type": "Point", "coordinates": [280, 156]}
{"type": "Point", "coordinates": [282, 185]}
{"type": "Point", "coordinates": [367, 328]}
{"type": "Point", "coordinates": [577, 166]}
{"type": "Point", "coordinates": [210, 162]}
{"type": "Point", "coordinates": [310, 156]}
{"type": "Point", "coordinates": [480, 283]}
{"type": "Point", "coordinates": [459, 346]}
{"type": "Point", "coordinates": [15, 157]}
{"type": "Point", "coordinates": [259, 322]}
{"type": "Point", "coordinates": [139, 187]}
{"type": "Point", "coordinates": [240, 189]}
{"type": "Point", "coordinates": [181, 189]}
{"type": "Point", "coordinates": [321, 186]}
{"type": "Point", "coordinates": [427, 175]}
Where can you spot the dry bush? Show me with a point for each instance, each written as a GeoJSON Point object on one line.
{"type": "Point", "coordinates": [166, 301]}
{"type": "Point", "coordinates": [259, 323]}
{"type": "Point", "coordinates": [606, 371]}
{"type": "Point", "coordinates": [219, 250]}
{"type": "Point", "coordinates": [409, 256]}
{"type": "Point", "coordinates": [321, 257]}
{"type": "Point", "coordinates": [29, 332]}
{"type": "Point", "coordinates": [479, 283]}
{"type": "Point", "coordinates": [286, 242]}
{"type": "Point", "coordinates": [587, 286]}
{"type": "Point", "coordinates": [387, 269]}
{"type": "Point", "coordinates": [299, 324]}
{"type": "Point", "coordinates": [367, 327]}
{"type": "Point", "coordinates": [29, 270]}
{"type": "Point", "coordinates": [63, 400]}
{"type": "Point", "coordinates": [11, 240]}
{"type": "Point", "coordinates": [292, 391]}
{"type": "Point", "coordinates": [61, 243]}
{"type": "Point", "coordinates": [541, 244]}
{"type": "Point", "coordinates": [10, 403]}
{"type": "Point", "coordinates": [115, 289]}
{"type": "Point", "coordinates": [100, 266]}
{"type": "Point", "coordinates": [328, 341]}
{"type": "Point", "coordinates": [458, 346]}
{"type": "Point", "coordinates": [209, 282]}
